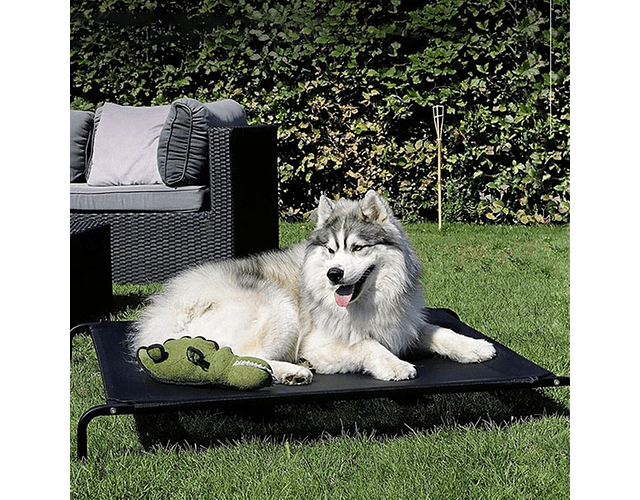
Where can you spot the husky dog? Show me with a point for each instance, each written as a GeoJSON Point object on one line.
{"type": "Point", "coordinates": [346, 300]}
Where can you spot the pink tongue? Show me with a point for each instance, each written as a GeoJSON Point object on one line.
{"type": "Point", "coordinates": [342, 297]}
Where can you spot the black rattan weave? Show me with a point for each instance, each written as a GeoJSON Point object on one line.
{"type": "Point", "coordinates": [242, 216]}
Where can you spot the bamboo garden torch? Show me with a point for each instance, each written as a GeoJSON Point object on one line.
{"type": "Point", "coordinates": [438, 121]}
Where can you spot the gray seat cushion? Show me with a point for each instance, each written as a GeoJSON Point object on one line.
{"type": "Point", "coordinates": [138, 198]}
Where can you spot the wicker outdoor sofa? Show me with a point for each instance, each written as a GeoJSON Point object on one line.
{"type": "Point", "coordinates": [226, 206]}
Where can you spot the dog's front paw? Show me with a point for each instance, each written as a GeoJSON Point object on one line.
{"type": "Point", "coordinates": [394, 369]}
{"type": "Point", "coordinates": [293, 375]}
{"type": "Point", "coordinates": [474, 351]}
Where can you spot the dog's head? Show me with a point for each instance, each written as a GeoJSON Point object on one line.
{"type": "Point", "coordinates": [352, 243]}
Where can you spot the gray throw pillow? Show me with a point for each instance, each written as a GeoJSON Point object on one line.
{"type": "Point", "coordinates": [81, 132]}
{"type": "Point", "coordinates": [183, 146]}
{"type": "Point", "coordinates": [126, 145]}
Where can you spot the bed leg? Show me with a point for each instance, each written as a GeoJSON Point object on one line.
{"type": "Point", "coordinates": [88, 416]}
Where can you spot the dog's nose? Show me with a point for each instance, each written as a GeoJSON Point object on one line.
{"type": "Point", "coordinates": [335, 274]}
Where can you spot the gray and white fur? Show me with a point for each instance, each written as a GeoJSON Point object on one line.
{"type": "Point", "coordinates": [345, 300]}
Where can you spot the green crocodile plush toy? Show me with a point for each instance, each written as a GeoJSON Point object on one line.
{"type": "Point", "coordinates": [197, 361]}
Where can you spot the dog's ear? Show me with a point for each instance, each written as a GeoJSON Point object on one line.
{"type": "Point", "coordinates": [325, 209]}
{"type": "Point", "coordinates": [375, 208]}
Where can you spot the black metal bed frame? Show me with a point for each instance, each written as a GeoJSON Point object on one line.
{"type": "Point", "coordinates": [130, 391]}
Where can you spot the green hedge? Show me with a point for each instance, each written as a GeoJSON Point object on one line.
{"type": "Point", "coordinates": [351, 85]}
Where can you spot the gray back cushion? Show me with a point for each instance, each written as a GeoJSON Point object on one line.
{"type": "Point", "coordinates": [81, 132]}
{"type": "Point", "coordinates": [183, 149]}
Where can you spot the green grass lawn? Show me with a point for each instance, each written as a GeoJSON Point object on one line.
{"type": "Point", "coordinates": [511, 283]}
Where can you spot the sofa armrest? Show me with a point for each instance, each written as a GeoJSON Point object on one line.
{"type": "Point", "coordinates": [244, 184]}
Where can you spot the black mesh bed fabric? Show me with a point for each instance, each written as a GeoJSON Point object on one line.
{"type": "Point", "coordinates": [128, 390]}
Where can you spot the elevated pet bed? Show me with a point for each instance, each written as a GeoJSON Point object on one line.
{"type": "Point", "coordinates": [129, 390]}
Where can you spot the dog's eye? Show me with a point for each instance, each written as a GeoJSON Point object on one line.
{"type": "Point", "coordinates": [330, 250]}
{"type": "Point", "coordinates": [357, 248]}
